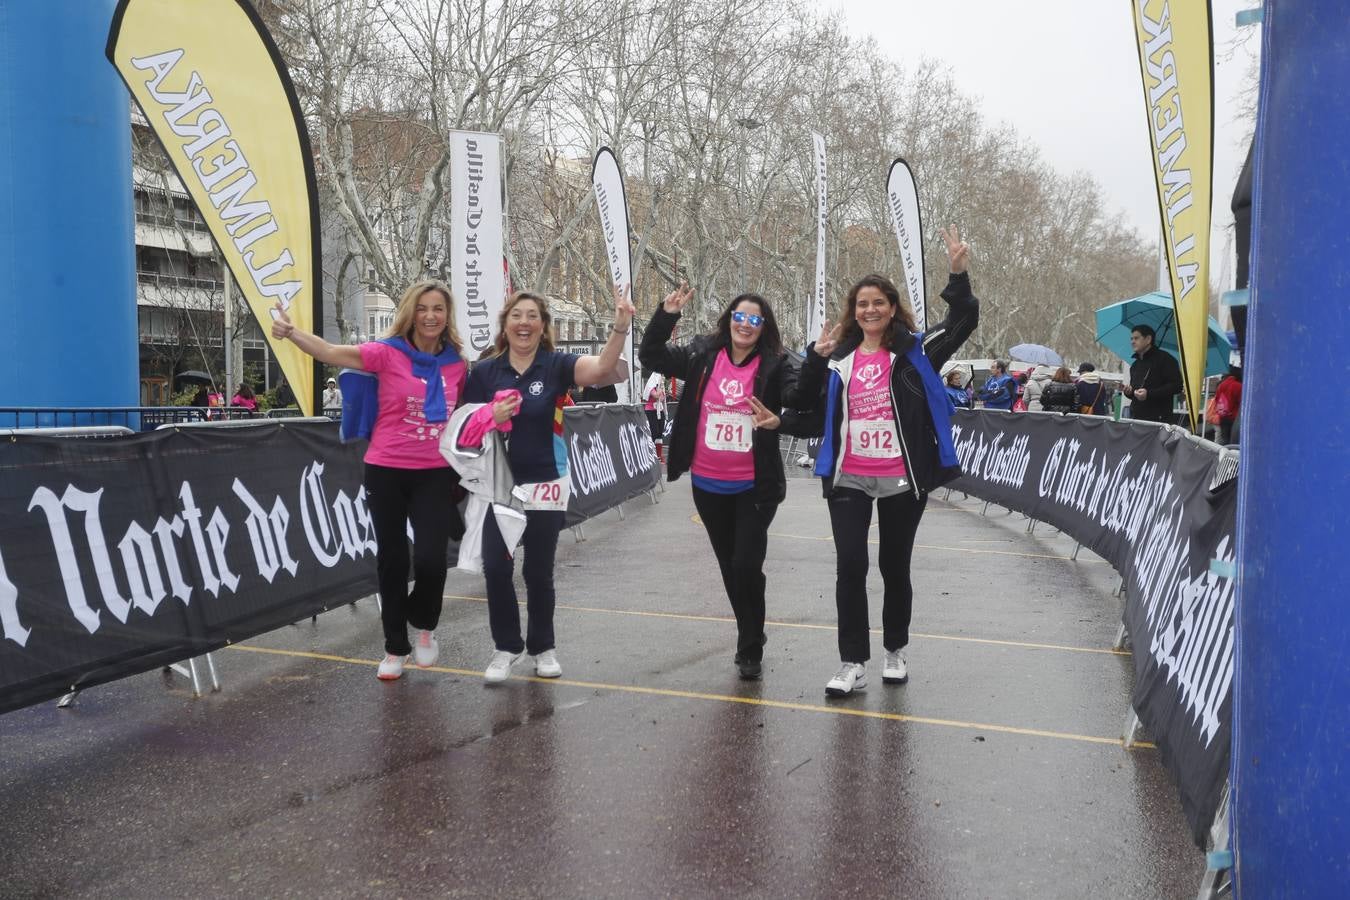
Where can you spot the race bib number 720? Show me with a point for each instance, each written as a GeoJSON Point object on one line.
{"type": "Point", "coordinates": [550, 495]}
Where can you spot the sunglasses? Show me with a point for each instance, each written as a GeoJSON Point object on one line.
{"type": "Point", "coordinates": [755, 321]}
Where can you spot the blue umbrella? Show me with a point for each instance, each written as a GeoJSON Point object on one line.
{"type": "Point", "coordinates": [1115, 322]}
{"type": "Point", "coordinates": [1035, 353]}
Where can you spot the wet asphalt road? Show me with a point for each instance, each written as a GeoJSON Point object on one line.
{"type": "Point", "coordinates": [649, 769]}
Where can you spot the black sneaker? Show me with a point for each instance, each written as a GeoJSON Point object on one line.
{"type": "Point", "coordinates": [750, 669]}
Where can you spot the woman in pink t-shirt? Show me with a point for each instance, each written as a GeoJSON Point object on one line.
{"type": "Point", "coordinates": [726, 435]}
{"type": "Point", "coordinates": [420, 382]}
{"type": "Point", "coordinates": [886, 443]}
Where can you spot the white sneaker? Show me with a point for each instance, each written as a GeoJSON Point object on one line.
{"type": "Point", "coordinates": [426, 649]}
{"type": "Point", "coordinates": [850, 677]}
{"type": "Point", "coordinates": [499, 669]}
{"type": "Point", "coordinates": [546, 665]}
{"type": "Point", "coordinates": [391, 667]}
{"type": "Point", "coordinates": [894, 670]}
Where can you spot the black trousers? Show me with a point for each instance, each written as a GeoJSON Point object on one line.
{"type": "Point", "coordinates": [426, 498]}
{"type": "Point", "coordinates": [897, 523]}
{"type": "Point", "coordinates": [540, 546]}
{"type": "Point", "coordinates": [739, 533]}
{"type": "Point", "coordinates": [657, 425]}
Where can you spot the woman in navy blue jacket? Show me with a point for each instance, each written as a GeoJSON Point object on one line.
{"type": "Point", "coordinates": [887, 441]}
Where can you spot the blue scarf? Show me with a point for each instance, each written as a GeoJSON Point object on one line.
{"type": "Point", "coordinates": [428, 368]}
{"type": "Point", "coordinates": [940, 407]}
{"type": "Point", "coordinates": [360, 390]}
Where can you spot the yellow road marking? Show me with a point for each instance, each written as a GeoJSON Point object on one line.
{"type": "Point", "coordinates": [812, 626]}
{"type": "Point", "coordinates": [728, 698]}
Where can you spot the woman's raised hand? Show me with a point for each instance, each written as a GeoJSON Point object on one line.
{"type": "Point", "coordinates": [761, 416]}
{"type": "Point", "coordinates": [958, 251]}
{"type": "Point", "coordinates": [281, 323]}
{"type": "Point", "coordinates": [623, 308]}
{"type": "Point", "coordinates": [828, 341]}
{"type": "Point", "coordinates": [677, 298]}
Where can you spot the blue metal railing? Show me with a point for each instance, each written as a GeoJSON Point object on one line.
{"type": "Point", "coordinates": [137, 418]}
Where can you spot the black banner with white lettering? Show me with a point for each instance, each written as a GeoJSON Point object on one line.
{"type": "Point", "coordinates": [610, 455]}
{"type": "Point", "coordinates": [1159, 506]}
{"type": "Point", "coordinates": [120, 555]}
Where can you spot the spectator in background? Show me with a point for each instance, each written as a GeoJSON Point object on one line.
{"type": "Point", "coordinates": [999, 391]}
{"type": "Point", "coordinates": [1227, 402]}
{"type": "Point", "coordinates": [961, 396]}
{"type": "Point", "coordinates": [1020, 380]}
{"type": "Point", "coordinates": [1040, 377]}
{"type": "Point", "coordinates": [199, 398]}
{"type": "Point", "coordinates": [332, 397]}
{"type": "Point", "coordinates": [1155, 378]}
{"type": "Point", "coordinates": [1060, 395]}
{"type": "Point", "coordinates": [245, 397]}
{"type": "Point", "coordinates": [654, 404]}
{"type": "Point", "coordinates": [1094, 396]}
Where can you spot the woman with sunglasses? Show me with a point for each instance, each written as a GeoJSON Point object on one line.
{"type": "Point", "coordinates": [887, 441]}
{"type": "Point", "coordinates": [737, 381]}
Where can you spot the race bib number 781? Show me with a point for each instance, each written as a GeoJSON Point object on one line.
{"type": "Point", "coordinates": [728, 431]}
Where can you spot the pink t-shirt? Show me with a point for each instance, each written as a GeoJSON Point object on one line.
{"type": "Point", "coordinates": [722, 446]}
{"type": "Point", "coordinates": [403, 438]}
{"type": "Point", "coordinates": [873, 444]}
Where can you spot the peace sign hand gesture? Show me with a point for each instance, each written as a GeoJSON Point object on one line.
{"type": "Point", "coordinates": [828, 341]}
{"type": "Point", "coordinates": [677, 298]}
{"type": "Point", "coordinates": [761, 417]}
{"type": "Point", "coordinates": [623, 309]}
{"type": "Point", "coordinates": [958, 251]}
{"type": "Point", "coordinates": [281, 323]}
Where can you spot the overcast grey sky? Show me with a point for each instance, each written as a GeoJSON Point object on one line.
{"type": "Point", "coordinates": [1065, 73]}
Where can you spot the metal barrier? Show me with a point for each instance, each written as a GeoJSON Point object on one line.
{"type": "Point", "coordinates": [92, 431]}
{"type": "Point", "coordinates": [244, 423]}
{"type": "Point", "coordinates": [136, 418]}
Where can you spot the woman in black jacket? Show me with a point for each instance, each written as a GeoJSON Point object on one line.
{"type": "Point", "coordinates": [1060, 395]}
{"type": "Point", "coordinates": [737, 381]}
{"type": "Point", "coordinates": [887, 440]}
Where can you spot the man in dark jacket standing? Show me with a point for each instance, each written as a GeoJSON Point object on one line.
{"type": "Point", "coordinates": [1155, 378]}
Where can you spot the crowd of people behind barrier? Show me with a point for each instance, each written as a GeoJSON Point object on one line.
{"type": "Point", "coordinates": [1148, 392]}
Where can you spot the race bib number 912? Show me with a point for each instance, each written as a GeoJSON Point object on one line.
{"type": "Point", "coordinates": [874, 438]}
